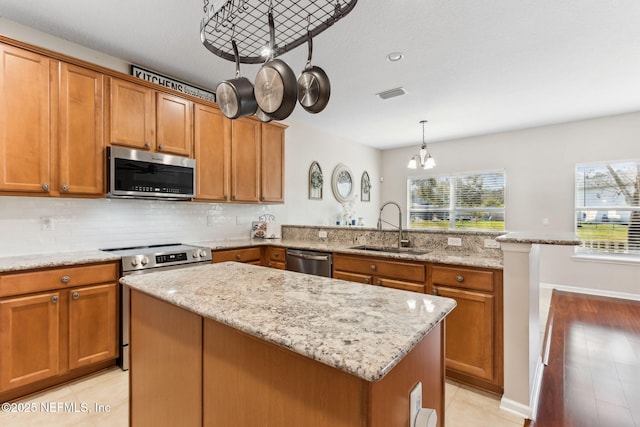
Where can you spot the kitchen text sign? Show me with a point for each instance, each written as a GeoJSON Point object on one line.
{"type": "Point", "coordinates": [170, 83]}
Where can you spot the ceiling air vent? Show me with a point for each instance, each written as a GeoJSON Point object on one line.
{"type": "Point", "coordinates": [391, 93]}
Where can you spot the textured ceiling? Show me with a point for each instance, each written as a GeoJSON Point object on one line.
{"type": "Point", "coordinates": [471, 67]}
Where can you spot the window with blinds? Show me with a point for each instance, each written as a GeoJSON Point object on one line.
{"type": "Point", "coordinates": [608, 207]}
{"type": "Point", "coordinates": [467, 201]}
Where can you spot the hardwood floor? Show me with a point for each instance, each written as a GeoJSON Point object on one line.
{"type": "Point", "coordinates": [593, 374]}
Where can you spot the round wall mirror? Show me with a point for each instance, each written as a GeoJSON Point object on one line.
{"type": "Point", "coordinates": [342, 183]}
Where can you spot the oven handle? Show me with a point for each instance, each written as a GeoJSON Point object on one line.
{"type": "Point", "coordinates": [310, 257]}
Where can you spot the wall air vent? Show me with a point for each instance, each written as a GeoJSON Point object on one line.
{"type": "Point", "coordinates": [391, 93]}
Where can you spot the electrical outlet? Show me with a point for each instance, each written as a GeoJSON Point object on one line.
{"type": "Point", "coordinates": [415, 403]}
{"type": "Point", "coordinates": [322, 234]}
{"type": "Point", "coordinates": [491, 244]}
{"type": "Point", "coordinates": [46, 223]}
{"type": "Point", "coordinates": [454, 241]}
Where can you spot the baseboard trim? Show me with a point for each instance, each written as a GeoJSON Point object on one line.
{"type": "Point", "coordinates": [516, 408]}
{"type": "Point", "coordinates": [591, 291]}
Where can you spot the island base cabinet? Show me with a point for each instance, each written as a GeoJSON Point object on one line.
{"type": "Point", "coordinates": [249, 382]}
{"type": "Point", "coordinates": [165, 375]}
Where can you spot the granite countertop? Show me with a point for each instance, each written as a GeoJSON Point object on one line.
{"type": "Point", "coordinates": [48, 260]}
{"type": "Point", "coordinates": [434, 256]}
{"type": "Point", "coordinates": [360, 329]}
{"type": "Point", "coordinates": [569, 239]}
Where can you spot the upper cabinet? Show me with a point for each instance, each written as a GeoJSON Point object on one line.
{"type": "Point", "coordinates": [51, 115]}
{"type": "Point", "coordinates": [212, 138]}
{"type": "Point", "coordinates": [245, 160]}
{"type": "Point", "coordinates": [272, 182]}
{"type": "Point", "coordinates": [24, 122]}
{"type": "Point", "coordinates": [144, 119]}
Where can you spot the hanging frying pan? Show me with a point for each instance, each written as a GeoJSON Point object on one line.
{"type": "Point", "coordinates": [314, 87]}
{"type": "Point", "coordinates": [235, 96]}
{"type": "Point", "coordinates": [275, 86]}
{"type": "Point", "coordinates": [262, 116]}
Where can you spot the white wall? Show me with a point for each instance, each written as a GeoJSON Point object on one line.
{"type": "Point", "coordinates": [89, 224]}
{"type": "Point", "coordinates": [539, 165]}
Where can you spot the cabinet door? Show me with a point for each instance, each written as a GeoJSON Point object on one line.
{"type": "Point", "coordinates": [81, 140]}
{"type": "Point", "coordinates": [353, 277]}
{"type": "Point", "coordinates": [212, 136]}
{"type": "Point", "coordinates": [173, 124]}
{"type": "Point", "coordinates": [29, 339]}
{"type": "Point", "coordinates": [470, 334]}
{"type": "Point", "coordinates": [92, 324]}
{"type": "Point", "coordinates": [24, 121]}
{"type": "Point", "coordinates": [272, 182]}
{"type": "Point", "coordinates": [245, 160]}
{"type": "Point", "coordinates": [132, 115]}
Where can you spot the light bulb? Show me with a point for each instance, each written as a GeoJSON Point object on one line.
{"type": "Point", "coordinates": [430, 163]}
{"type": "Point", "coordinates": [412, 163]}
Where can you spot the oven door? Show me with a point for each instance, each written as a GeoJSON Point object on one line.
{"type": "Point", "coordinates": [140, 174]}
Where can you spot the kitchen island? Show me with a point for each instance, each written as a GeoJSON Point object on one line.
{"type": "Point", "coordinates": [237, 345]}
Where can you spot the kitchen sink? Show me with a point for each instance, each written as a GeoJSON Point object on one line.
{"type": "Point", "coordinates": [393, 249]}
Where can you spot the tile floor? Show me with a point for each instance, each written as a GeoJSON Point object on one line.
{"type": "Point", "coordinates": [465, 406]}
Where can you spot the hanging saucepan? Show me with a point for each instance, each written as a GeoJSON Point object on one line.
{"type": "Point", "coordinates": [262, 116]}
{"type": "Point", "coordinates": [275, 85]}
{"type": "Point", "coordinates": [314, 87]}
{"type": "Point", "coordinates": [235, 96]}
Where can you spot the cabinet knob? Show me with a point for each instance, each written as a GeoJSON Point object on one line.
{"type": "Point", "coordinates": [65, 279]}
{"type": "Point", "coordinates": [378, 282]}
{"type": "Point", "coordinates": [226, 197]}
{"type": "Point", "coordinates": [147, 145]}
{"type": "Point", "coordinates": [367, 281]}
{"type": "Point", "coordinates": [161, 147]}
{"type": "Point", "coordinates": [45, 187]}
{"type": "Point", "coordinates": [75, 295]}
{"type": "Point", "coordinates": [372, 267]}
{"type": "Point", "coordinates": [238, 256]}
{"type": "Point", "coordinates": [234, 197]}
{"type": "Point", "coordinates": [434, 291]}
{"type": "Point", "coordinates": [270, 264]}
{"type": "Point", "coordinates": [264, 198]}
{"type": "Point", "coordinates": [54, 299]}
{"type": "Point", "coordinates": [276, 254]}
{"type": "Point", "coordinates": [64, 188]}
{"type": "Point", "coordinates": [460, 278]}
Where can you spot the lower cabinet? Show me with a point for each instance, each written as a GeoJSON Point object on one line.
{"type": "Point", "coordinates": [406, 275]}
{"type": "Point", "coordinates": [275, 257]}
{"type": "Point", "coordinates": [54, 324]}
{"type": "Point", "coordinates": [474, 338]}
{"type": "Point", "coordinates": [251, 255]}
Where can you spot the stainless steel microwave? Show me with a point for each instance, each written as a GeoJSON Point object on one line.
{"type": "Point", "coordinates": [141, 174]}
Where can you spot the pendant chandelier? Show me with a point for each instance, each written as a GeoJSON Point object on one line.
{"type": "Point", "coordinates": [423, 158]}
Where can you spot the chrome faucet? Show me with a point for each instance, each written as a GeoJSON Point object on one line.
{"type": "Point", "coordinates": [380, 221]}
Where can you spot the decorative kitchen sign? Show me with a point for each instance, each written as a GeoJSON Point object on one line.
{"type": "Point", "coordinates": [365, 187]}
{"type": "Point", "coordinates": [171, 83]}
{"type": "Point", "coordinates": [316, 181]}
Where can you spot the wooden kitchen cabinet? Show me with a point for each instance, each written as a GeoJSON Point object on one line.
{"type": "Point", "coordinates": [55, 325]}
{"type": "Point", "coordinates": [252, 255]}
{"type": "Point", "coordinates": [275, 257]}
{"type": "Point", "coordinates": [212, 139]}
{"type": "Point", "coordinates": [245, 160]}
{"type": "Point", "coordinates": [380, 271]}
{"type": "Point", "coordinates": [474, 340]}
{"type": "Point", "coordinates": [272, 175]}
{"type": "Point", "coordinates": [25, 121]}
{"type": "Point", "coordinates": [145, 119]}
{"type": "Point", "coordinates": [52, 137]}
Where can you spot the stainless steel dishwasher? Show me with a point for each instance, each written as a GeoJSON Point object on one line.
{"type": "Point", "coordinates": [310, 262]}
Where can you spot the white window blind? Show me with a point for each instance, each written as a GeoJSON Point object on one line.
{"type": "Point", "coordinates": [465, 201]}
{"type": "Point", "coordinates": [608, 207]}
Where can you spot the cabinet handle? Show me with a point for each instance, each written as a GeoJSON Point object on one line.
{"type": "Point", "coordinates": [75, 295]}
{"type": "Point", "coordinates": [378, 282]}
{"type": "Point", "coordinates": [367, 281]}
{"type": "Point", "coordinates": [372, 267]}
{"type": "Point", "coordinates": [161, 147]}
{"type": "Point", "coordinates": [65, 279]}
{"type": "Point", "coordinates": [264, 198]}
{"type": "Point", "coordinates": [226, 197]}
{"type": "Point", "coordinates": [64, 188]}
{"type": "Point", "coordinates": [270, 264]}
{"type": "Point", "coordinates": [45, 187]}
{"type": "Point", "coordinates": [147, 145]}
{"type": "Point", "coordinates": [238, 256]}
{"type": "Point", "coordinates": [54, 299]}
{"type": "Point", "coordinates": [234, 197]}
{"type": "Point", "coordinates": [434, 291]}
{"type": "Point", "coordinates": [460, 278]}
{"type": "Point", "coordinates": [275, 254]}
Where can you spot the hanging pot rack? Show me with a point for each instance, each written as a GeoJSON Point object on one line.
{"type": "Point", "coordinates": [245, 21]}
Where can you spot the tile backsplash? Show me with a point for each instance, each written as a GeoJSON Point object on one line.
{"type": "Point", "coordinates": [36, 224]}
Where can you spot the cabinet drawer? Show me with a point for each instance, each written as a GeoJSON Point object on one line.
{"type": "Point", "coordinates": [381, 267]}
{"type": "Point", "coordinates": [462, 278]}
{"type": "Point", "coordinates": [275, 254]}
{"type": "Point", "coordinates": [398, 284]}
{"type": "Point", "coordinates": [352, 277]}
{"type": "Point", "coordinates": [276, 264]}
{"type": "Point", "coordinates": [240, 255]}
{"type": "Point", "coordinates": [56, 278]}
